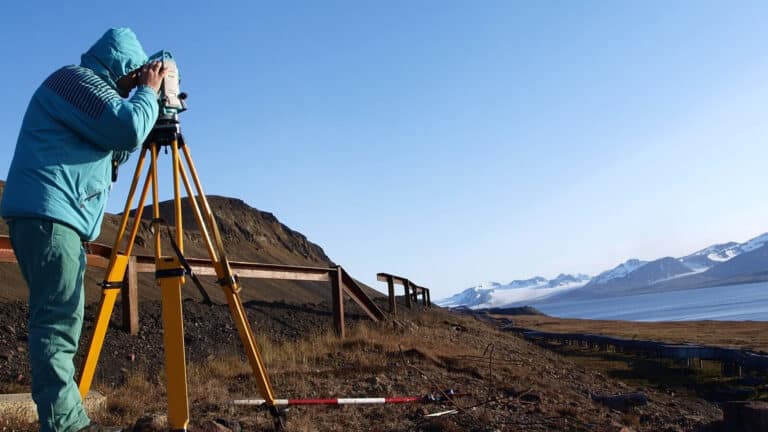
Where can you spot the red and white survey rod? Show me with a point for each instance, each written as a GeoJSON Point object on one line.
{"type": "Point", "coordinates": [332, 401]}
{"type": "Point", "coordinates": [351, 401]}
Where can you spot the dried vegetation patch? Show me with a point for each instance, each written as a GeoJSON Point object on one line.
{"type": "Point", "coordinates": [507, 383]}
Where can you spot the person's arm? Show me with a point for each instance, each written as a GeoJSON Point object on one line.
{"type": "Point", "coordinates": [94, 110]}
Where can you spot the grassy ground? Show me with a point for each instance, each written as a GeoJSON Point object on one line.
{"type": "Point", "coordinates": [751, 335]}
{"type": "Point", "coordinates": [512, 385]}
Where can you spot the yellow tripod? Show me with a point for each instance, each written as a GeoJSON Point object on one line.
{"type": "Point", "coordinates": [169, 272]}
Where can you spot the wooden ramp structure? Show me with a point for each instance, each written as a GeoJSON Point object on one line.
{"type": "Point", "coordinates": [340, 281]}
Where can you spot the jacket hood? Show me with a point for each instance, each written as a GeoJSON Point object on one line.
{"type": "Point", "coordinates": [114, 55]}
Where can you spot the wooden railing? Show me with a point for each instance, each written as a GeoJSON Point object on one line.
{"type": "Point", "coordinates": [340, 281]}
{"type": "Point", "coordinates": [412, 291]}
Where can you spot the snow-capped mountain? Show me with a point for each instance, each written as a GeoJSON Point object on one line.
{"type": "Point", "coordinates": [634, 274]}
{"type": "Point", "coordinates": [710, 256]}
{"type": "Point", "coordinates": [715, 254]}
{"type": "Point", "coordinates": [494, 294]}
{"type": "Point", "coordinates": [620, 271]}
{"type": "Point", "coordinates": [718, 264]}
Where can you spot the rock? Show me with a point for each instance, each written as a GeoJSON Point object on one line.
{"type": "Point", "coordinates": [233, 425]}
{"type": "Point", "coordinates": [531, 397]}
{"type": "Point", "coordinates": [214, 426]}
{"type": "Point", "coordinates": [623, 401]}
{"type": "Point", "coordinates": [618, 427]}
{"type": "Point", "coordinates": [151, 423]}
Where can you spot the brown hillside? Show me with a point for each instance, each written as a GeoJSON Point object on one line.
{"type": "Point", "coordinates": [249, 235]}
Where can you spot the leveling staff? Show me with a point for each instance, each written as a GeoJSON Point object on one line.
{"type": "Point", "coordinates": [76, 124]}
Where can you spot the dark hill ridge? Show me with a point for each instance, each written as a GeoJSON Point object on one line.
{"type": "Point", "coordinates": [248, 234]}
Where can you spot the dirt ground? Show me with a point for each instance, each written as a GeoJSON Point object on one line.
{"type": "Point", "coordinates": [508, 383]}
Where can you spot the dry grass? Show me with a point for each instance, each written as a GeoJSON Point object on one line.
{"type": "Point", "coordinates": [14, 423]}
{"type": "Point", "coordinates": [738, 334]}
{"type": "Point", "coordinates": [524, 385]}
{"type": "Point", "coordinates": [319, 365]}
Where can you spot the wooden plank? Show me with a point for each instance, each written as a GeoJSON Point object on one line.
{"type": "Point", "coordinates": [146, 264]}
{"type": "Point", "coordinates": [7, 256]}
{"type": "Point", "coordinates": [266, 274]}
{"type": "Point", "coordinates": [96, 261]}
{"type": "Point", "coordinates": [358, 295]}
{"type": "Point", "coordinates": [130, 298]}
{"type": "Point", "coordinates": [252, 273]}
{"type": "Point", "coordinates": [383, 277]}
{"type": "Point", "coordinates": [337, 301]}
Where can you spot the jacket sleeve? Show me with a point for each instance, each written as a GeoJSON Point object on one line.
{"type": "Point", "coordinates": [92, 109]}
{"type": "Point", "coordinates": [121, 156]}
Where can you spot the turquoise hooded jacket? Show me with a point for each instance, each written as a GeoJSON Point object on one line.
{"type": "Point", "coordinates": [75, 125]}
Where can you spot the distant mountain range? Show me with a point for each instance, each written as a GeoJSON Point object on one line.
{"type": "Point", "coordinates": [494, 294]}
{"type": "Point", "coordinates": [720, 264]}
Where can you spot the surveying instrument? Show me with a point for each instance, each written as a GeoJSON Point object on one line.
{"type": "Point", "coordinates": [170, 271]}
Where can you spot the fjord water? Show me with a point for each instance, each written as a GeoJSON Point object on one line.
{"type": "Point", "coordinates": [732, 303]}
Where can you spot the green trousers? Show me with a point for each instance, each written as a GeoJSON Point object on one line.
{"type": "Point", "coordinates": [52, 261]}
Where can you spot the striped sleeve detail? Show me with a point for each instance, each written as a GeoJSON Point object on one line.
{"type": "Point", "coordinates": [83, 89]}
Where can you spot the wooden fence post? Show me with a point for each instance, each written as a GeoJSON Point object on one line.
{"type": "Point", "coordinates": [392, 303]}
{"type": "Point", "coordinates": [407, 286]}
{"type": "Point", "coordinates": [129, 295]}
{"type": "Point", "coordinates": [337, 299]}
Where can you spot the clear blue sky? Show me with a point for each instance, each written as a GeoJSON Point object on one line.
{"type": "Point", "coordinates": [453, 142]}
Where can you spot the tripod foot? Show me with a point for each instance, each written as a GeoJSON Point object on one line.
{"type": "Point", "coordinates": [279, 417]}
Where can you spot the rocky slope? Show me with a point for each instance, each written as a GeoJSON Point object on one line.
{"type": "Point", "coordinates": [249, 235]}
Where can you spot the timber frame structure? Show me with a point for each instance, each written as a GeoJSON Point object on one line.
{"type": "Point", "coordinates": [412, 291]}
{"type": "Point", "coordinates": [341, 282]}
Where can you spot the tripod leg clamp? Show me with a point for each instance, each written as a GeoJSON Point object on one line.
{"type": "Point", "coordinates": [169, 273]}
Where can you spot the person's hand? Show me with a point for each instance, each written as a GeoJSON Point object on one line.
{"type": "Point", "coordinates": [152, 75]}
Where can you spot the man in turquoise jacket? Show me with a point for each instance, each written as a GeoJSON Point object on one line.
{"type": "Point", "coordinates": [76, 124]}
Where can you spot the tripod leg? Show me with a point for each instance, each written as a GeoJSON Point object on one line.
{"type": "Point", "coordinates": [170, 276]}
{"type": "Point", "coordinates": [249, 343]}
{"type": "Point", "coordinates": [108, 297]}
{"type": "Point", "coordinates": [173, 340]}
{"type": "Point", "coordinates": [231, 289]}
{"type": "Point", "coordinates": [114, 278]}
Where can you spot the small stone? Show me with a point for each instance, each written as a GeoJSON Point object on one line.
{"type": "Point", "coordinates": [214, 426]}
{"type": "Point", "coordinates": [151, 423]}
{"type": "Point", "coordinates": [234, 425]}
